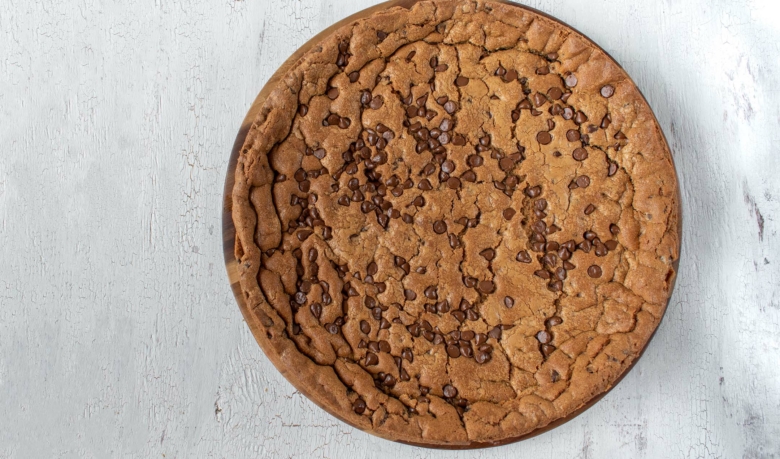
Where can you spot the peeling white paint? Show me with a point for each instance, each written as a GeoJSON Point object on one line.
{"type": "Point", "coordinates": [119, 336]}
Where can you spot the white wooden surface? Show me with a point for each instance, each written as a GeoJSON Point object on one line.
{"type": "Point", "coordinates": [119, 335]}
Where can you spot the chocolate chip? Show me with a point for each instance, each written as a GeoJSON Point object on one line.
{"type": "Point", "coordinates": [384, 346]}
{"type": "Point", "coordinates": [570, 80]}
{"type": "Point", "coordinates": [580, 118]}
{"type": "Point", "coordinates": [454, 242]}
{"type": "Point", "coordinates": [487, 287]}
{"type": "Point", "coordinates": [419, 201]}
{"type": "Point", "coordinates": [461, 81]}
{"type": "Point", "coordinates": [613, 168]}
{"type": "Point", "coordinates": [595, 271]}
{"type": "Point", "coordinates": [601, 249]}
{"type": "Point", "coordinates": [543, 274]}
{"type": "Point", "coordinates": [354, 76]}
{"type": "Point", "coordinates": [470, 282]}
{"type": "Point", "coordinates": [431, 293]}
{"type": "Point", "coordinates": [488, 254]}
{"type": "Point", "coordinates": [439, 227]}
{"type": "Point", "coordinates": [469, 176]}
{"type": "Point", "coordinates": [495, 333]}
{"type": "Point", "coordinates": [410, 295]}
{"type": "Point", "coordinates": [533, 192]}
{"type": "Point", "coordinates": [475, 161]}
{"type": "Point", "coordinates": [547, 349]}
{"type": "Point", "coordinates": [580, 154]}
{"type": "Point", "coordinates": [606, 121]}
{"type": "Point", "coordinates": [583, 181]}
{"type": "Point", "coordinates": [425, 185]}
{"type": "Point", "coordinates": [590, 209]}
{"type": "Point", "coordinates": [448, 166]}
{"type": "Point", "coordinates": [449, 391]}
{"type": "Point", "coordinates": [460, 316]}
{"type": "Point", "coordinates": [333, 329]}
{"type": "Point", "coordinates": [333, 93]}
{"type": "Point", "coordinates": [611, 245]}
{"type": "Point", "coordinates": [607, 91]}
{"type": "Point", "coordinates": [509, 213]}
{"type": "Point", "coordinates": [544, 337]}
{"type": "Point", "coordinates": [453, 183]}
{"type": "Point", "coordinates": [510, 76]}
{"type": "Point", "coordinates": [316, 310]}
{"type": "Point", "coordinates": [482, 357]}
{"type": "Point", "coordinates": [453, 351]}
{"type": "Point", "coordinates": [344, 123]}
{"type": "Point", "coordinates": [539, 99]}
{"type": "Point", "coordinates": [523, 257]}
{"type": "Point", "coordinates": [572, 135]}
{"type": "Point", "coordinates": [371, 359]}
{"type": "Point", "coordinates": [303, 110]}
{"type": "Point", "coordinates": [377, 102]}
{"type": "Point", "coordinates": [459, 140]}
{"type": "Point", "coordinates": [359, 406]}
{"type": "Point", "coordinates": [467, 335]}
{"type": "Point", "coordinates": [555, 93]}
{"type": "Point", "coordinates": [466, 350]}
{"type": "Point", "coordinates": [509, 302]}
{"type": "Point", "coordinates": [365, 327]}
{"type": "Point", "coordinates": [543, 70]}
{"type": "Point", "coordinates": [585, 246]}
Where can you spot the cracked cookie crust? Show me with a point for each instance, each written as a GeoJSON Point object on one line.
{"type": "Point", "coordinates": [455, 223]}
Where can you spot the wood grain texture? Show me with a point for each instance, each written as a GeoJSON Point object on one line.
{"type": "Point", "coordinates": [120, 337]}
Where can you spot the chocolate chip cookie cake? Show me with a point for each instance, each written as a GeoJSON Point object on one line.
{"type": "Point", "coordinates": [456, 222]}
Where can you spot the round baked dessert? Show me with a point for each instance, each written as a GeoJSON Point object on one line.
{"type": "Point", "coordinates": [456, 222]}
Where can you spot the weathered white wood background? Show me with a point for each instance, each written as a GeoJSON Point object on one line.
{"type": "Point", "coordinates": [119, 335]}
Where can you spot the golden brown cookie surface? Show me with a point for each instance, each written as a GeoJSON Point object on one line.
{"type": "Point", "coordinates": [456, 223]}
